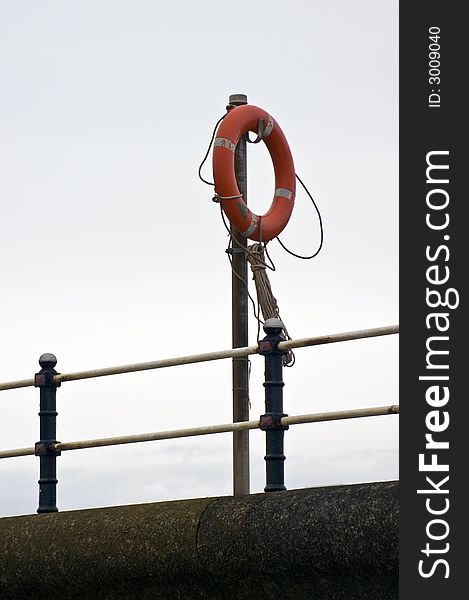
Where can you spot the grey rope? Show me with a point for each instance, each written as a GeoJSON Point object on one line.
{"type": "Point", "coordinates": [265, 297]}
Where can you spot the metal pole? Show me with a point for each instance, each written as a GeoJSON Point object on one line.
{"type": "Point", "coordinates": [46, 448]}
{"type": "Point", "coordinates": [270, 422]}
{"type": "Point", "coordinates": [239, 308]}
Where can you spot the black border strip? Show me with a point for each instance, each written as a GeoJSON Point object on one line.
{"type": "Point", "coordinates": [432, 121]}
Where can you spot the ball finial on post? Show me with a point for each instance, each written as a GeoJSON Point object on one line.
{"type": "Point", "coordinates": [47, 360]}
{"type": "Point", "coordinates": [273, 325]}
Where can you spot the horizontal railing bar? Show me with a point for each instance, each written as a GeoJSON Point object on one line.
{"type": "Point", "coordinates": [16, 452]}
{"type": "Point", "coordinates": [209, 429]}
{"type": "Point", "coordinates": [339, 337]}
{"type": "Point", "coordinates": [160, 435]}
{"type": "Point", "coordinates": [159, 364]}
{"type": "Point", "coordinates": [146, 366]}
{"type": "Point", "coordinates": [21, 383]}
{"type": "Point", "coordinates": [375, 411]}
{"type": "Point", "coordinates": [208, 356]}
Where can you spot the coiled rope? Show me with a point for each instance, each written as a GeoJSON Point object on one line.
{"type": "Point", "coordinates": [265, 297]}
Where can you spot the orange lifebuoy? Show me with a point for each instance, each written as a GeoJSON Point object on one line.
{"type": "Point", "coordinates": [237, 122]}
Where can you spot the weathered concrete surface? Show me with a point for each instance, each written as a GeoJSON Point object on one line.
{"type": "Point", "coordinates": [316, 544]}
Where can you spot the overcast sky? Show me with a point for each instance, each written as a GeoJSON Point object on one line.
{"type": "Point", "coordinates": [112, 251]}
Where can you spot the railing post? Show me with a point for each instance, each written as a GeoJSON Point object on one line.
{"type": "Point", "coordinates": [45, 448]}
{"type": "Point", "coordinates": [270, 421]}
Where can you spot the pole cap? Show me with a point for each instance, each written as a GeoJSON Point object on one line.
{"type": "Point", "coordinates": [238, 99]}
{"type": "Point", "coordinates": [273, 325]}
{"type": "Point", "coordinates": [47, 360]}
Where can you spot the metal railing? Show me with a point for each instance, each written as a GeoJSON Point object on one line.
{"type": "Point", "coordinates": [274, 422]}
{"type": "Point", "coordinates": [356, 413]}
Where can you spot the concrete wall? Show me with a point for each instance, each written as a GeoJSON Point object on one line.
{"type": "Point", "coordinates": [320, 544]}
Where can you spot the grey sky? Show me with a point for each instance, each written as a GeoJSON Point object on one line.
{"type": "Point", "coordinates": [112, 251]}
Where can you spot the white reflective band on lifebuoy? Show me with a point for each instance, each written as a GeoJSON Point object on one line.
{"type": "Point", "coordinates": [284, 193]}
{"type": "Point", "coordinates": [251, 227]}
{"type": "Point", "coordinates": [268, 127]}
{"type": "Point", "coordinates": [224, 143]}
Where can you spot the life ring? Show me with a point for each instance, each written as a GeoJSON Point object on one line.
{"type": "Point", "coordinates": [237, 122]}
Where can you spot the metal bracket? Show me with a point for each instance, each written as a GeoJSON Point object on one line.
{"type": "Point", "coordinates": [47, 448]}
{"type": "Point", "coordinates": [270, 421]}
{"type": "Point", "coordinates": [45, 379]}
{"type": "Point", "coordinates": [235, 250]}
{"type": "Point", "coordinates": [266, 347]}
{"type": "Point", "coordinates": [269, 347]}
